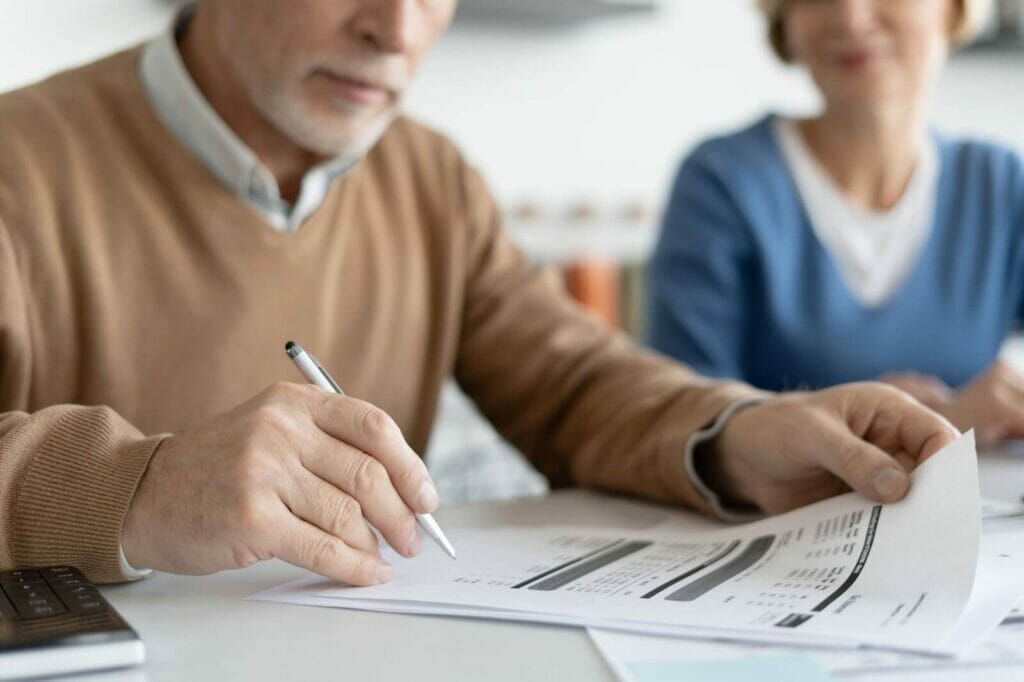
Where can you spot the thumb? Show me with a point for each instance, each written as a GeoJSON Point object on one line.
{"type": "Point", "coordinates": [870, 471]}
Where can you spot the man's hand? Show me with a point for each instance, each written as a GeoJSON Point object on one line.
{"type": "Point", "coordinates": [297, 474]}
{"type": "Point", "coordinates": [799, 448]}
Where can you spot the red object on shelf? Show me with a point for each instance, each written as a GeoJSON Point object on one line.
{"type": "Point", "coordinates": [595, 284]}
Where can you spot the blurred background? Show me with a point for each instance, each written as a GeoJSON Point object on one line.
{"type": "Point", "coordinates": [577, 112]}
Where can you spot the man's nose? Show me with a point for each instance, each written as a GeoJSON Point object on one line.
{"type": "Point", "coordinates": [389, 25]}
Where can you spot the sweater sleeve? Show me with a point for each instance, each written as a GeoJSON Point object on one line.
{"type": "Point", "coordinates": [699, 275]}
{"type": "Point", "coordinates": [584, 404]}
{"type": "Point", "coordinates": [67, 473]}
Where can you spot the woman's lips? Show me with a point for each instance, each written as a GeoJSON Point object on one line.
{"type": "Point", "coordinates": [853, 59]}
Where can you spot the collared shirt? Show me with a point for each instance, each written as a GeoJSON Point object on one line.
{"type": "Point", "coordinates": [183, 108]}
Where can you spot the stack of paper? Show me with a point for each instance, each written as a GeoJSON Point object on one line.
{"type": "Point", "coordinates": [845, 572]}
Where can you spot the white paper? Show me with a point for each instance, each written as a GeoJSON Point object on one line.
{"type": "Point", "coordinates": [844, 571]}
{"type": "Point", "coordinates": [998, 583]}
{"type": "Point", "coordinates": [998, 509]}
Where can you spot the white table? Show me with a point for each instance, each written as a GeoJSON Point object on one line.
{"type": "Point", "coordinates": [203, 629]}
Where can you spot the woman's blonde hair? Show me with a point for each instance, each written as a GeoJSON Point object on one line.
{"type": "Point", "coordinates": [973, 16]}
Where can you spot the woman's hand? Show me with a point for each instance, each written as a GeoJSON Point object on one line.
{"type": "Point", "coordinates": [992, 404]}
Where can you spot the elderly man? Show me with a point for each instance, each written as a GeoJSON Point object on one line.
{"type": "Point", "coordinates": [170, 215]}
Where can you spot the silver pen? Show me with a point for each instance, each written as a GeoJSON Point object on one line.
{"type": "Point", "coordinates": [318, 376]}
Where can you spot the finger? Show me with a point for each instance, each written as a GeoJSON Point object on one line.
{"type": "Point", "coordinates": [370, 429]}
{"type": "Point", "coordinates": [307, 546]}
{"type": "Point", "coordinates": [367, 482]}
{"type": "Point", "coordinates": [1012, 391]}
{"type": "Point", "coordinates": [1009, 374]}
{"type": "Point", "coordinates": [931, 391]}
{"type": "Point", "coordinates": [906, 462]}
{"type": "Point", "coordinates": [1010, 423]}
{"type": "Point", "coordinates": [314, 500]}
{"type": "Point", "coordinates": [898, 424]}
{"type": "Point", "coordinates": [928, 389]}
{"type": "Point", "coordinates": [867, 469]}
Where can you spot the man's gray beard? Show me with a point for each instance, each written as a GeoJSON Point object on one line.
{"type": "Point", "coordinates": [287, 115]}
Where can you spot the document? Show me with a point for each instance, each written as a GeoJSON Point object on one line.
{"type": "Point", "coordinates": [630, 655]}
{"type": "Point", "coordinates": [843, 572]}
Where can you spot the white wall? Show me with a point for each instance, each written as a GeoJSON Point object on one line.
{"type": "Point", "coordinates": [601, 111]}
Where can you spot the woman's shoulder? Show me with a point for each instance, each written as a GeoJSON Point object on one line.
{"type": "Point", "coordinates": [739, 151]}
{"type": "Point", "coordinates": [975, 159]}
{"type": "Point", "coordinates": [745, 168]}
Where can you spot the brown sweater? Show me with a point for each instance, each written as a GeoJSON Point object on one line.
{"type": "Point", "coordinates": [139, 296]}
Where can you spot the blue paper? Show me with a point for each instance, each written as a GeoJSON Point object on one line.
{"type": "Point", "coordinates": [791, 668]}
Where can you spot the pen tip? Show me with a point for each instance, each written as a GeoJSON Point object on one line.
{"type": "Point", "coordinates": [292, 349]}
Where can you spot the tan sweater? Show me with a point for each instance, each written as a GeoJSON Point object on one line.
{"type": "Point", "coordinates": [139, 296]}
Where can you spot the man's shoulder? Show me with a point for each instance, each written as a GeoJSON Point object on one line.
{"type": "Point", "coordinates": [65, 93]}
{"type": "Point", "coordinates": [42, 121]}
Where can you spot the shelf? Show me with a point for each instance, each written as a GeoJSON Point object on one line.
{"type": "Point", "coordinates": [557, 11]}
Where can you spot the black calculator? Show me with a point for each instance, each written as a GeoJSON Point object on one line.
{"type": "Point", "coordinates": [53, 622]}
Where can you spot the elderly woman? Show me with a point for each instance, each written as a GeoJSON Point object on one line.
{"type": "Point", "coordinates": [856, 244]}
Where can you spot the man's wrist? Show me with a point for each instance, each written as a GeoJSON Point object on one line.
{"type": "Point", "coordinates": [130, 571]}
{"type": "Point", "coordinates": [704, 460]}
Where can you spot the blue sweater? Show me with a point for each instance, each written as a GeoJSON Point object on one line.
{"type": "Point", "coordinates": [742, 288]}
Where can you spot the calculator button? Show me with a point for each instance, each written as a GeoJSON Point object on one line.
{"type": "Point", "coordinates": [22, 572]}
{"type": "Point", "coordinates": [85, 605]}
{"type": "Point", "coordinates": [7, 610]}
{"type": "Point", "coordinates": [75, 591]}
{"type": "Point", "coordinates": [19, 586]}
{"type": "Point", "coordinates": [6, 580]}
{"type": "Point", "coordinates": [37, 603]}
{"type": "Point", "coordinates": [61, 571]}
{"type": "Point", "coordinates": [46, 610]}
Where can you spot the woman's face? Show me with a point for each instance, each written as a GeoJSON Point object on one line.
{"type": "Point", "coordinates": [867, 53]}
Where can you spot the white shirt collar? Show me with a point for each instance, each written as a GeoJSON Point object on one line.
{"type": "Point", "coordinates": [874, 251]}
{"type": "Point", "coordinates": [183, 108]}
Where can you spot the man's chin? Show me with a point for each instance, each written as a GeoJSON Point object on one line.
{"type": "Point", "coordinates": [339, 137]}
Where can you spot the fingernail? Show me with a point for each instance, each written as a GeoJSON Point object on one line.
{"type": "Point", "coordinates": [384, 572]}
{"type": "Point", "coordinates": [889, 484]}
{"type": "Point", "coordinates": [413, 547]}
{"type": "Point", "coordinates": [427, 498]}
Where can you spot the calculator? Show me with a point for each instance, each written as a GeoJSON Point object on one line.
{"type": "Point", "coordinates": [53, 621]}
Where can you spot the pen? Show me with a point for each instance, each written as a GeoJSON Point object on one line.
{"type": "Point", "coordinates": [318, 376]}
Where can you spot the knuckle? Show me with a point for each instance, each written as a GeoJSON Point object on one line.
{"type": "Point", "coordinates": [413, 476]}
{"type": "Point", "coordinates": [346, 512]}
{"type": "Point", "coordinates": [359, 569]}
{"type": "Point", "coordinates": [276, 392]}
{"type": "Point", "coordinates": [268, 418]}
{"type": "Point", "coordinates": [287, 389]}
{"type": "Point", "coordinates": [369, 477]}
{"type": "Point", "coordinates": [274, 424]}
{"type": "Point", "coordinates": [250, 518]}
{"type": "Point", "coordinates": [322, 553]}
{"type": "Point", "coordinates": [378, 426]}
{"type": "Point", "coordinates": [249, 465]}
{"type": "Point", "coordinates": [850, 459]}
{"type": "Point", "coordinates": [243, 557]}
